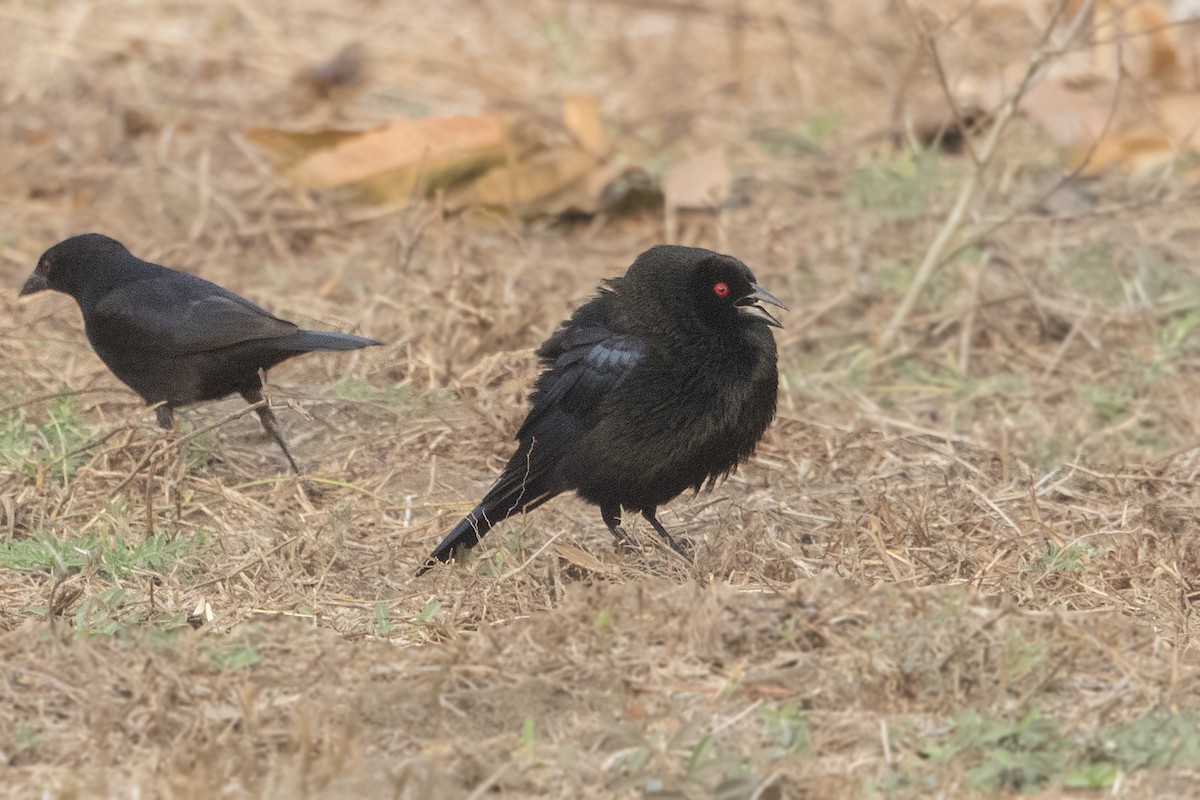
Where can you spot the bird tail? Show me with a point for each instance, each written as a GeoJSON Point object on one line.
{"type": "Point", "coordinates": [329, 340]}
{"type": "Point", "coordinates": [509, 496]}
{"type": "Point", "coordinates": [466, 534]}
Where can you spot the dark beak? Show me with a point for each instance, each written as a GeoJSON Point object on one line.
{"type": "Point", "coordinates": [750, 306]}
{"type": "Point", "coordinates": [35, 283]}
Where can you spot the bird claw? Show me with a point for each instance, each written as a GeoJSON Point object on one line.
{"type": "Point", "coordinates": [626, 543]}
{"type": "Point", "coordinates": [164, 416]}
{"type": "Point", "coordinates": [683, 548]}
{"type": "Point", "coordinates": [623, 540]}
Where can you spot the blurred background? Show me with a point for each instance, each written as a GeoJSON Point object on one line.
{"type": "Point", "coordinates": [982, 214]}
{"type": "Point", "coordinates": [454, 176]}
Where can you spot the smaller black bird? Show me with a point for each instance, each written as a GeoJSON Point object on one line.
{"type": "Point", "coordinates": [665, 381]}
{"type": "Point", "coordinates": [173, 338]}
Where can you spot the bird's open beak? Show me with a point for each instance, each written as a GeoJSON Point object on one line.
{"type": "Point", "coordinates": [35, 283]}
{"type": "Point", "coordinates": [750, 306]}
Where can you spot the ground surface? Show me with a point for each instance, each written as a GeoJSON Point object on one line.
{"type": "Point", "coordinates": [961, 564]}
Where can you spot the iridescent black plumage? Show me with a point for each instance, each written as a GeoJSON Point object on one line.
{"type": "Point", "coordinates": [664, 381]}
{"type": "Point", "coordinates": [174, 338]}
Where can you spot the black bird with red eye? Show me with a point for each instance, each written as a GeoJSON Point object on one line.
{"type": "Point", "coordinates": [664, 381]}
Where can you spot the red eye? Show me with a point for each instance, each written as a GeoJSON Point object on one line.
{"type": "Point", "coordinates": [721, 289]}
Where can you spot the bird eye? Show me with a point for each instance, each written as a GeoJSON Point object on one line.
{"type": "Point", "coordinates": [721, 289]}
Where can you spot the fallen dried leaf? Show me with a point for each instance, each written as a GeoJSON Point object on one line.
{"type": "Point", "coordinates": [527, 185]}
{"type": "Point", "coordinates": [701, 181]}
{"type": "Point", "coordinates": [582, 119]}
{"type": "Point", "coordinates": [393, 163]}
{"type": "Point", "coordinates": [582, 558]}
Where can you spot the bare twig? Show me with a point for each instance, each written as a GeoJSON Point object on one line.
{"type": "Point", "coordinates": [974, 239]}
{"type": "Point", "coordinates": [163, 448]}
{"type": "Point", "coordinates": [983, 159]}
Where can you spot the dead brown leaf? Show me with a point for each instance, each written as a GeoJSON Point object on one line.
{"type": "Point", "coordinates": [527, 185]}
{"type": "Point", "coordinates": [1120, 93]}
{"type": "Point", "coordinates": [698, 182]}
{"type": "Point", "coordinates": [392, 163]}
{"type": "Point", "coordinates": [582, 119]}
{"type": "Point", "coordinates": [582, 558]}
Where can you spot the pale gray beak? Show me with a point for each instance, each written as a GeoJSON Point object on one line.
{"type": "Point", "coordinates": [749, 306]}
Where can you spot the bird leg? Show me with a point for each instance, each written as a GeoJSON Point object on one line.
{"type": "Point", "coordinates": [681, 549]}
{"type": "Point", "coordinates": [165, 416]}
{"type": "Point", "coordinates": [612, 518]}
{"type": "Point", "coordinates": [267, 417]}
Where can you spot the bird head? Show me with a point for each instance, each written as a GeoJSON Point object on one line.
{"type": "Point", "coordinates": [62, 265]}
{"type": "Point", "coordinates": [719, 288]}
{"type": "Point", "coordinates": [726, 292]}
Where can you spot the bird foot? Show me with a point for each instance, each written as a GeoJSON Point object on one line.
{"type": "Point", "coordinates": [682, 547]}
{"type": "Point", "coordinates": [624, 542]}
{"type": "Point", "coordinates": [165, 416]}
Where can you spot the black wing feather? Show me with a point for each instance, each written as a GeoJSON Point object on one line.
{"type": "Point", "coordinates": [185, 316]}
{"type": "Point", "coordinates": [585, 361]}
{"type": "Point", "coordinates": [585, 364]}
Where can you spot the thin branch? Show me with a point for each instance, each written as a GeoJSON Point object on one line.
{"type": "Point", "coordinates": [929, 43]}
{"type": "Point", "coordinates": [29, 401]}
{"type": "Point", "coordinates": [1083, 164]}
{"type": "Point", "coordinates": [966, 194]}
{"type": "Point", "coordinates": [159, 448]}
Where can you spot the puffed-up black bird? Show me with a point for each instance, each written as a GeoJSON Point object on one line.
{"type": "Point", "coordinates": [664, 381]}
{"type": "Point", "coordinates": [173, 338]}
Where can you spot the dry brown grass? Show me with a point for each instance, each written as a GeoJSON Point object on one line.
{"type": "Point", "coordinates": [861, 587]}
